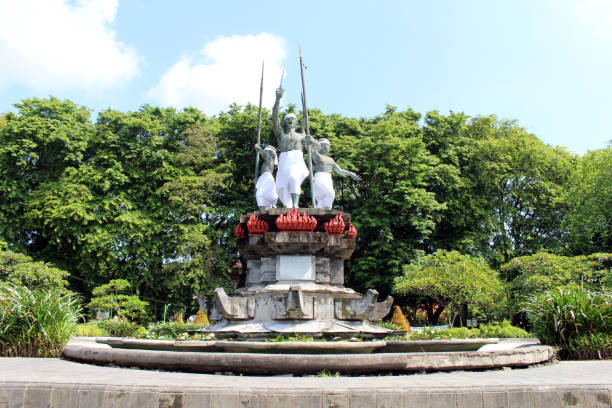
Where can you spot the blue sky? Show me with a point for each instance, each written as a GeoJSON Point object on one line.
{"type": "Point", "coordinates": [545, 63]}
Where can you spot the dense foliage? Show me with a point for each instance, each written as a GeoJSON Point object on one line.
{"type": "Point", "coordinates": [152, 196]}
{"type": "Point", "coordinates": [530, 275]}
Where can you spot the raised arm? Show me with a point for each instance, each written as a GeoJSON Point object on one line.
{"type": "Point", "coordinates": [259, 150]}
{"type": "Point", "coordinates": [276, 125]}
{"type": "Point", "coordinates": [345, 173]}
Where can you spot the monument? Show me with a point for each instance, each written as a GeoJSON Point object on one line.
{"type": "Point", "coordinates": [295, 256]}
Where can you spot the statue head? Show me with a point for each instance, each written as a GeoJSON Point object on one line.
{"type": "Point", "coordinates": [290, 122]}
{"type": "Point", "coordinates": [270, 153]}
{"type": "Point", "coordinates": [325, 145]}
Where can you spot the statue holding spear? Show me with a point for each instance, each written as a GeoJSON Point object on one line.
{"type": "Point", "coordinates": [265, 189]}
{"type": "Point", "coordinates": [291, 167]}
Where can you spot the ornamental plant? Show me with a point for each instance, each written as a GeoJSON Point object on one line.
{"type": "Point", "coordinates": [35, 323]}
{"type": "Point", "coordinates": [201, 318]}
{"type": "Point", "coordinates": [399, 319]}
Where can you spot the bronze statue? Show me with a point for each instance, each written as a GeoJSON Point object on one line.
{"type": "Point", "coordinates": [291, 167]}
{"type": "Point", "coordinates": [265, 189]}
{"type": "Point", "coordinates": [322, 167]}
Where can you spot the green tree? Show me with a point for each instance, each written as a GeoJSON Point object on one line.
{"type": "Point", "coordinates": [122, 199]}
{"type": "Point", "coordinates": [453, 280]}
{"type": "Point", "coordinates": [589, 219]}
{"type": "Point", "coordinates": [391, 207]}
{"type": "Point", "coordinates": [447, 138]}
{"type": "Point", "coordinates": [502, 187]}
{"type": "Point", "coordinates": [518, 182]}
{"type": "Point", "coordinates": [38, 145]}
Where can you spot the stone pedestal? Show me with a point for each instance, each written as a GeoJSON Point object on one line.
{"type": "Point", "coordinates": [295, 282]}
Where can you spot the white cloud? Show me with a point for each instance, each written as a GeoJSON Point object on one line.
{"type": "Point", "coordinates": [51, 45]}
{"type": "Point", "coordinates": [230, 72]}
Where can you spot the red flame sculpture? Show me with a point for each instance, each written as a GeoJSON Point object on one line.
{"type": "Point", "coordinates": [294, 221]}
{"type": "Point", "coordinates": [256, 226]}
{"type": "Point", "coordinates": [351, 233]}
{"type": "Point", "coordinates": [240, 231]}
{"type": "Point", "coordinates": [335, 226]}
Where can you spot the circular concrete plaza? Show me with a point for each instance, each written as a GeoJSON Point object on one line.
{"type": "Point", "coordinates": [28, 382]}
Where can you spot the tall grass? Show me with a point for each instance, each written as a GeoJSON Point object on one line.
{"type": "Point", "coordinates": [35, 323]}
{"type": "Point", "coordinates": [576, 320]}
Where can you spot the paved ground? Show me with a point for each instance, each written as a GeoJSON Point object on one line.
{"type": "Point", "coordinates": [60, 383]}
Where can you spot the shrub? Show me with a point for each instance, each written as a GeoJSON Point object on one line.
{"type": "Point", "coordinates": [141, 332]}
{"type": "Point", "coordinates": [426, 314]}
{"type": "Point", "coordinates": [492, 330]}
{"type": "Point", "coordinates": [171, 330]}
{"type": "Point", "coordinates": [35, 323]}
{"type": "Point", "coordinates": [108, 297]}
{"type": "Point", "coordinates": [90, 330]}
{"type": "Point", "coordinates": [566, 317]}
{"type": "Point", "coordinates": [118, 327]}
{"type": "Point", "coordinates": [502, 330]}
{"type": "Point", "coordinates": [21, 270]}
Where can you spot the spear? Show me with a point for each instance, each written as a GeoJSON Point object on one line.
{"type": "Point", "coordinates": [259, 125]}
{"type": "Point", "coordinates": [306, 127]}
{"type": "Point", "coordinates": [302, 96]}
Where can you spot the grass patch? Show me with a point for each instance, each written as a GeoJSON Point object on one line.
{"type": "Point", "coordinates": [90, 330]}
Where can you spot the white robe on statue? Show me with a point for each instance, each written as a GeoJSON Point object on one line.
{"type": "Point", "coordinates": [291, 173]}
{"type": "Point", "coordinates": [265, 191]}
{"type": "Point", "coordinates": [324, 190]}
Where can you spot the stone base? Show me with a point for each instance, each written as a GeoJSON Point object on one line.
{"type": "Point", "coordinates": [295, 280]}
